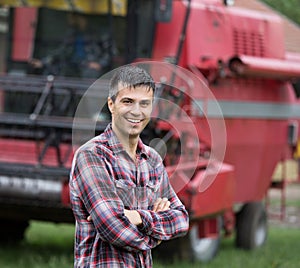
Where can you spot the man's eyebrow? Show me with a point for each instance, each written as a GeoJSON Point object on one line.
{"type": "Point", "coordinates": [146, 100]}
{"type": "Point", "coordinates": [126, 98]}
{"type": "Point", "coordinates": [131, 99]}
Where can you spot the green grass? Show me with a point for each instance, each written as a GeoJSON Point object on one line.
{"type": "Point", "coordinates": [293, 203]}
{"type": "Point", "coordinates": [289, 203]}
{"type": "Point", "coordinates": [281, 251]}
{"type": "Point", "coordinates": [51, 245]}
{"type": "Point", "coordinates": [47, 245]}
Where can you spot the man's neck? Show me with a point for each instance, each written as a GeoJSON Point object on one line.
{"type": "Point", "coordinates": [132, 146]}
{"type": "Point", "coordinates": [129, 143]}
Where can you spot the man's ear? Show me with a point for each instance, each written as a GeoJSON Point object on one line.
{"type": "Point", "coordinates": [110, 105]}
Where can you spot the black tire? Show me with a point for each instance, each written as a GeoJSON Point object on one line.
{"type": "Point", "coordinates": [203, 249]}
{"type": "Point", "coordinates": [189, 247]}
{"type": "Point", "coordinates": [12, 231]}
{"type": "Point", "coordinates": [251, 226]}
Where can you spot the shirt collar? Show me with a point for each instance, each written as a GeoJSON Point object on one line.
{"type": "Point", "coordinates": [117, 147]}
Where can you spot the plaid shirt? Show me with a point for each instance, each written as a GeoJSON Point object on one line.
{"type": "Point", "coordinates": [104, 181]}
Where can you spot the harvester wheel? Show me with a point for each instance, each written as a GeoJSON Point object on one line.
{"type": "Point", "coordinates": [203, 249]}
{"type": "Point", "coordinates": [251, 226]}
{"type": "Point", "coordinates": [189, 247]}
{"type": "Point", "coordinates": [12, 231]}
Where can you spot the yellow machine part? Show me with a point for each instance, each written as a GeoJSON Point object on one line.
{"type": "Point", "coordinates": [118, 7]}
{"type": "Point", "coordinates": [297, 152]}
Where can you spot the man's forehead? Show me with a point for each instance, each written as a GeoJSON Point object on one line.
{"type": "Point", "coordinates": [124, 85]}
{"type": "Point", "coordinates": [144, 90]}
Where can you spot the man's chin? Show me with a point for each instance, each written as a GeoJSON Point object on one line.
{"type": "Point", "coordinates": [134, 134]}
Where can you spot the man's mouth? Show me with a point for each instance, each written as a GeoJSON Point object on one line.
{"type": "Point", "coordinates": [134, 121]}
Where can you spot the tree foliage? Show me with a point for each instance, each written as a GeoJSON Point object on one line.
{"type": "Point", "coordinates": [289, 8]}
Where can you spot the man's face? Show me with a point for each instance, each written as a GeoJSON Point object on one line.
{"type": "Point", "coordinates": [131, 110]}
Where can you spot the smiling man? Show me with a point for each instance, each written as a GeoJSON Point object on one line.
{"type": "Point", "coordinates": [120, 193]}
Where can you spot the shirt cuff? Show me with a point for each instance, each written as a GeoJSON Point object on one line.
{"type": "Point", "coordinates": [147, 222]}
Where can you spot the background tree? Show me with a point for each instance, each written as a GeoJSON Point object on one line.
{"type": "Point", "coordinates": [289, 8]}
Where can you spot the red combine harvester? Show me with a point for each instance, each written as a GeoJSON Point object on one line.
{"type": "Point", "coordinates": [234, 113]}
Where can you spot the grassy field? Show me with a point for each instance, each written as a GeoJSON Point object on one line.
{"type": "Point", "coordinates": [51, 245]}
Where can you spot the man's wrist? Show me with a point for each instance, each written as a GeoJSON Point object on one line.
{"type": "Point", "coordinates": [139, 221]}
{"type": "Point", "coordinates": [134, 217]}
{"type": "Point", "coordinates": [147, 225]}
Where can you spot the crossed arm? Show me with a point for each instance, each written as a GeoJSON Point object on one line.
{"type": "Point", "coordinates": [93, 192]}
{"type": "Point", "coordinates": [161, 204]}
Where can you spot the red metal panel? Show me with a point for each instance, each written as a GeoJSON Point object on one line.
{"type": "Point", "coordinates": [65, 194]}
{"type": "Point", "coordinates": [208, 36]}
{"type": "Point", "coordinates": [217, 197]}
{"type": "Point", "coordinates": [166, 37]}
{"type": "Point", "coordinates": [28, 152]}
{"type": "Point", "coordinates": [208, 228]}
{"type": "Point", "coordinates": [259, 33]}
{"type": "Point", "coordinates": [23, 33]}
{"type": "Point", "coordinates": [216, 33]}
{"type": "Point", "coordinates": [254, 147]}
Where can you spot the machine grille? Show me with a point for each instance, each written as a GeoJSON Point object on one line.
{"type": "Point", "coordinates": [248, 43]}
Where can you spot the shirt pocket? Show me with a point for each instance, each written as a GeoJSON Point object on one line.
{"type": "Point", "coordinates": [147, 195]}
{"type": "Point", "coordinates": [126, 192]}
{"type": "Point", "coordinates": [137, 197]}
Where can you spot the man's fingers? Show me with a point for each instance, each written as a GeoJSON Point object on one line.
{"type": "Point", "coordinates": [164, 204]}
{"type": "Point", "coordinates": [89, 218]}
{"type": "Point", "coordinates": [167, 206]}
{"type": "Point", "coordinates": [156, 204]}
{"type": "Point", "coordinates": [161, 204]}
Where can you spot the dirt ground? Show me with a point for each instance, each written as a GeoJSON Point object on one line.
{"type": "Point", "coordinates": [291, 216]}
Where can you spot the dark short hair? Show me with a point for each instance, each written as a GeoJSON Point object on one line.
{"type": "Point", "coordinates": [130, 76]}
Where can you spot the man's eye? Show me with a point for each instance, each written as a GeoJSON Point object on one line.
{"type": "Point", "coordinates": [145, 103]}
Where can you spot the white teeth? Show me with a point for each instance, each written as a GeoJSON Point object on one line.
{"type": "Point", "coordinates": [134, 121]}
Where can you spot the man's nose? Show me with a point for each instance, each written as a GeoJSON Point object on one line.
{"type": "Point", "coordinates": [136, 109]}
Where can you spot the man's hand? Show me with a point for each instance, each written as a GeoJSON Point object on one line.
{"type": "Point", "coordinates": [161, 204]}
{"type": "Point", "coordinates": [133, 216]}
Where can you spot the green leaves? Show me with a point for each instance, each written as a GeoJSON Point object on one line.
{"type": "Point", "coordinates": [289, 8]}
